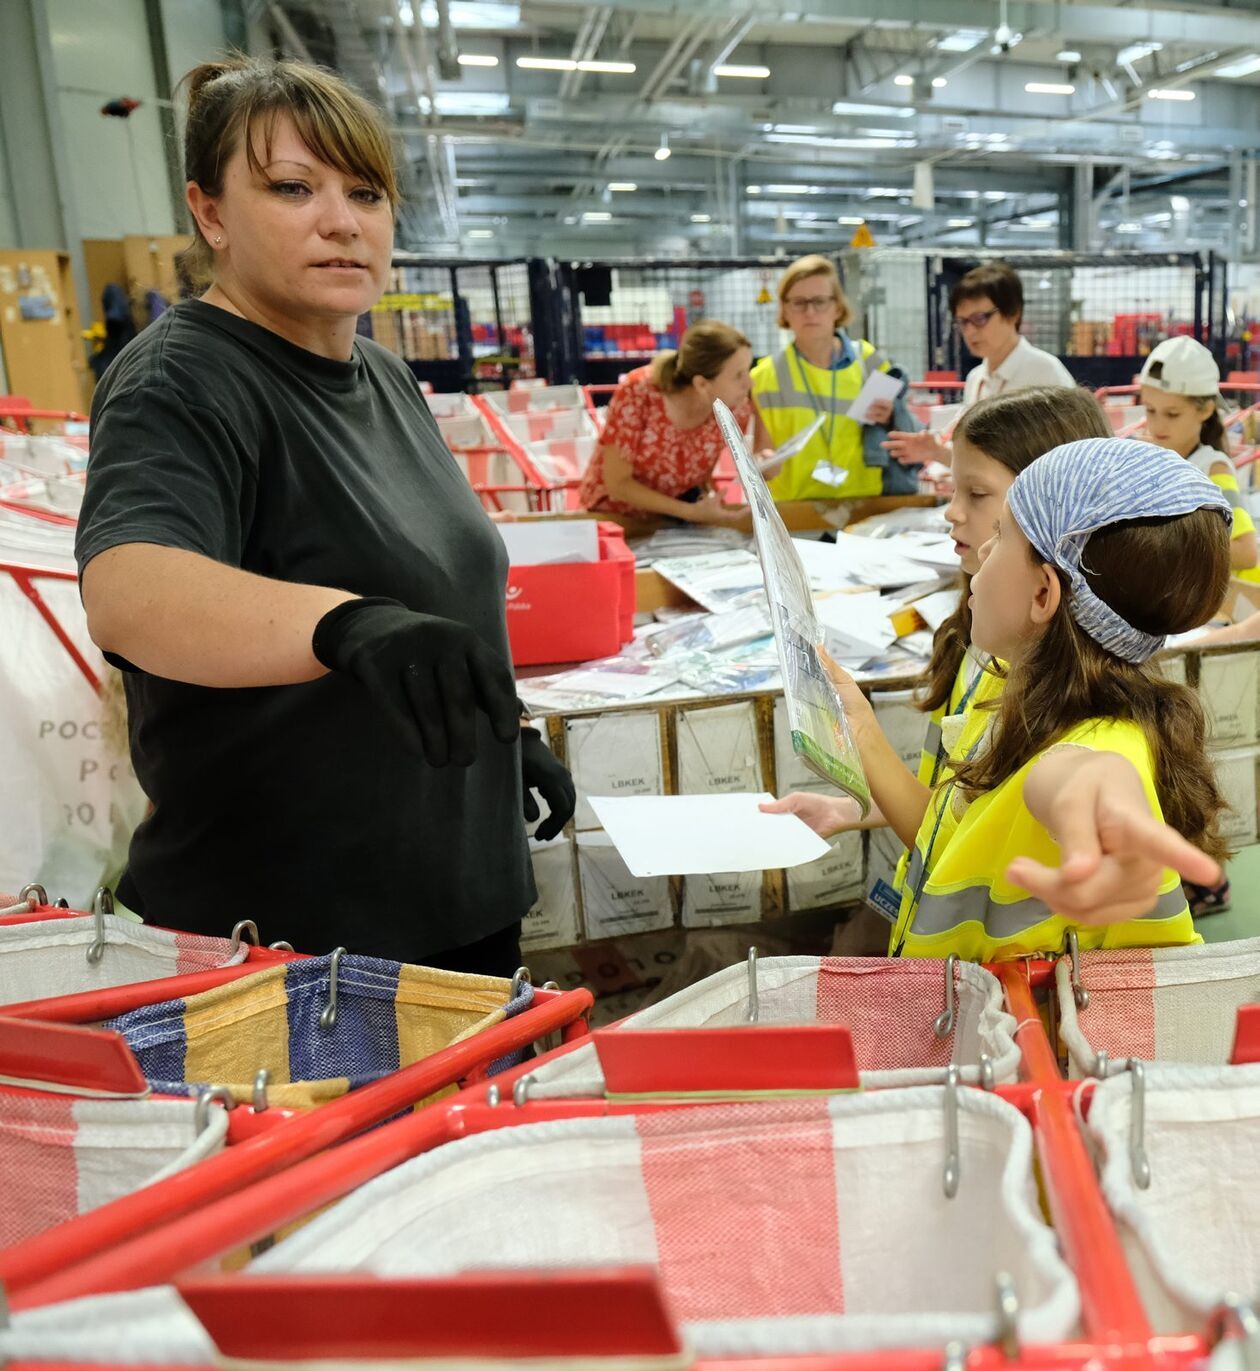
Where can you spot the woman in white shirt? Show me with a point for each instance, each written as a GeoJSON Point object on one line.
{"type": "Point", "coordinates": [988, 308]}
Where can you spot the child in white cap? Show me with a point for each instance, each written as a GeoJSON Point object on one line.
{"type": "Point", "coordinates": [1180, 392]}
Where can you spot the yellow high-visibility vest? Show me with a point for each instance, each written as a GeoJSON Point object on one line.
{"type": "Point", "coordinates": [790, 394]}
{"type": "Point", "coordinates": [1205, 458]}
{"type": "Point", "coordinates": [956, 896]}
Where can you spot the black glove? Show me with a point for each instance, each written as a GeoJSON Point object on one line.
{"type": "Point", "coordinates": [541, 771]}
{"type": "Point", "coordinates": [430, 675]}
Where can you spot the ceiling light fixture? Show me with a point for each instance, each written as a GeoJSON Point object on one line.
{"type": "Point", "coordinates": [664, 152]}
{"type": "Point", "coordinates": [939, 83]}
{"type": "Point", "coordinates": [851, 220]}
{"type": "Point", "coordinates": [474, 14]}
{"type": "Point", "coordinates": [748, 73]}
{"type": "Point", "coordinates": [961, 41]}
{"type": "Point", "coordinates": [546, 63]}
{"type": "Point", "coordinates": [1135, 52]}
{"type": "Point", "coordinates": [478, 59]}
{"type": "Point", "coordinates": [860, 108]}
{"type": "Point", "coordinates": [1242, 66]}
{"type": "Point", "coordinates": [1049, 88]}
{"type": "Point", "coordinates": [1069, 55]}
{"type": "Point", "coordinates": [613, 68]}
{"type": "Point", "coordinates": [597, 216]}
{"type": "Point", "coordinates": [903, 80]}
{"type": "Point", "coordinates": [481, 233]}
{"type": "Point", "coordinates": [472, 102]}
{"type": "Point", "coordinates": [752, 190]}
{"type": "Point", "coordinates": [1178, 94]}
{"type": "Point", "coordinates": [792, 189]}
{"type": "Point", "coordinates": [623, 185]}
{"type": "Point", "coordinates": [961, 223]}
{"type": "Point", "coordinates": [1180, 204]}
{"type": "Point", "coordinates": [701, 218]}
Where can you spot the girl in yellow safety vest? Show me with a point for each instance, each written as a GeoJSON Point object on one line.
{"type": "Point", "coordinates": [1180, 393]}
{"type": "Point", "coordinates": [813, 382]}
{"type": "Point", "coordinates": [1050, 814]}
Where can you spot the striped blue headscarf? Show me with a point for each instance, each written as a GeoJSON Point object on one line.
{"type": "Point", "coordinates": [1080, 487]}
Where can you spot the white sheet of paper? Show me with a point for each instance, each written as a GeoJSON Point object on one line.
{"type": "Point", "coordinates": [863, 561]}
{"type": "Point", "coordinates": [697, 835]}
{"type": "Point", "coordinates": [879, 385]}
{"type": "Point", "coordinates": [538, 544]}
{"type": "Point", "coordinates": [798, 440]}
{"type": "Point", "coordinates": [935, 609]}
{"type": "Point", "coordinates": [857, 626]}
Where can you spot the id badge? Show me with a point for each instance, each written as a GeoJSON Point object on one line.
{"type": "Point", "coordinates": [828, 475]}
{"type": "Point", "coordinates": [885, 901]}
{"type": "Point", "coordinates": [952, 726]}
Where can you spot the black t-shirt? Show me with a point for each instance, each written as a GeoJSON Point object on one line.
{"type": "Point", "coordinates": [299, 806]}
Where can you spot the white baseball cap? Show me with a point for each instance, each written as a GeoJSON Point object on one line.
{"type": "Point", "coordinates": [1182, 367]}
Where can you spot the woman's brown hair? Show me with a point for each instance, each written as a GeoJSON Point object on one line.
{"type": "Point", "coordinates": [801, 270]}
{"type": "Point", "coordinates": [1015, 430]}
{"type": "Point", "coordinates": [243, 97]}
{"type": "Point", "coordinates": [703, 350]}
{"type": "Point", "coordinates": [1162, 576]}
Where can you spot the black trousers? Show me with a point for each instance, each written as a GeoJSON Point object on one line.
{"type": "Point", "coordinates": [497, 955]}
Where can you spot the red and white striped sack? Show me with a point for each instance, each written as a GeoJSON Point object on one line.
{"type": "Point", "coordinates": [889, 1005]}
{"type": "Point", "coordinates": [1176, 1004]}
{"type": "Point", "coordinates": [45, 959]}
{"type": "Point", "coordinates": [1193, 1235]}
{"type": "Point", "coordinates": [779, 1228]}
{"type": "Point", "coordinates": [63, 1155]}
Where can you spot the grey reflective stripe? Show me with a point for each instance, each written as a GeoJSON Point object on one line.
{"type": "Point", "coordinates": [1233, 496]}
{"type": "Point", "coordinates": [932, 739]}
{"type": "Point", "coordinates": [783, 374]}
{"type": "Point", "coordinates": [939, 913]}
{"type": "Point", "coordinates": [874, 362]}
{"type": "Point", "coordinates": [791, 396]}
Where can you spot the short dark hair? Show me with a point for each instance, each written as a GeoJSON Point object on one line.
{"type": "Point", "coordinates": [996, 281]}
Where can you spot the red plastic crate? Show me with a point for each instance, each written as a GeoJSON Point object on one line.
{"type": "Point", "coordinates": [573, 612]}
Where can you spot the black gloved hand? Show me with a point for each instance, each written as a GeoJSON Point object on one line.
{"type": "Point", "coordinates": [430, 675]}
{"type": "Point", "coordinates": [542, 771]}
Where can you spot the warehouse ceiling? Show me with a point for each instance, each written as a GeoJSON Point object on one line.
{"type": "Point", "coordinates": [712, 126]}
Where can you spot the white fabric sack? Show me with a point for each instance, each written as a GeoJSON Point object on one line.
{"type": "Point", "coordinates": [1175, 1004]}
{"type": "Point", "coordinates": [69, 804]}
{"type": "Point", "coordinates": [1194, 1235]}
{"type": "Point", "coordinates": [889, 1006]}
{"type": "Point", "coordinates": [48, 958]}
{"type": "Point", "coordinates": [61, 1156]}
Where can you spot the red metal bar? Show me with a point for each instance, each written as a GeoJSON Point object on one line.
{"type": "Point", "coordinates": [26, 1268]}
{"type": "Point", "coordinates": [22, 576]}
{"type": "Point", "coordinates": [1038, 1063]}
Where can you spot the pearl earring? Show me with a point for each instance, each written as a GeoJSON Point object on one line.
{"type": "Point", "coordinates": [218, 240]}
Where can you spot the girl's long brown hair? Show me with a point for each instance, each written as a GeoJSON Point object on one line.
{"type": "Point", "coordinates": [1015, 430]}
{"type": "Point", "coordinates": [1162, 576]}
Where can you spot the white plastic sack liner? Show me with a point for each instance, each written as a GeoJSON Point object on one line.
{"type": "Point", "coordinates": [1174, 1004]}
{"type": "Point", "coordinates": [535, 398]}
{"type": "Point", "coordinates": [49, 958]}
{"type": "Point", "coordinates": [889, 1007]}
{"type": "Point", "coordinates": [1194, 1235]}
{"type": "Point", "coordinates": [61, 1156]}
{"type": "Point", "coordinates": [777, 1228]}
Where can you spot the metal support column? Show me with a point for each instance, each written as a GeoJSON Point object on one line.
{"type": "Point", "coordinates": [40, 180]}
{"type": "Point", "coordinates": [1084, 219]}
{"type": "Point", "coordinates": [166, 112]}
{"type": "Point", "coordinates": [1234, 232]}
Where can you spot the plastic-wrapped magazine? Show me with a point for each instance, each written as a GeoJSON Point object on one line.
{"type": "Point", "coordinates": [821, 736]}
{"type": "Point", "coordinates": [710, 632]}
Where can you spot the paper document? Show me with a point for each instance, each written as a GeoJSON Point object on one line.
{"type": "Point", "coordinates": [699, 835]}
{"type": "Point", "coordinates": [532, 543]}
{"type": "Point", "coordinates": [820, 731]}
{"type": "Point", "coordinates": [879, 385]}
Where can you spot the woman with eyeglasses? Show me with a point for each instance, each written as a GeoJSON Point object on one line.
{"type": "Point", "coordinates": [812, 383]}
{"type": "Point", "coordinates": [988, 307]}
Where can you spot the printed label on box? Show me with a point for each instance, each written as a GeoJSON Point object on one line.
{"type": "Point", "coordinates": [883, 853]}
{"type": "Point", "coordinates": [553, 919]}
{"type": "Point", "coordinates": [832, 880]}
{"type": "Point", "coordinates": [613, 754]}
{"type": "Point", "coordinates": [613, 901]}
{"type": "Point", "coordinates": [718, 752]}
{"type": "Point", "coordinates": [726, 898]}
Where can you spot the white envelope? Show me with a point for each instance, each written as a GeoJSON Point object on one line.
{"type": "Point", "coordinates": [539, 543]}
{"type": "Point", "coordinates": [879, 385]}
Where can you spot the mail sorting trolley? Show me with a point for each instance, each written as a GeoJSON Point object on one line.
{"type": "Point", "coordinates": [273, 1138]}
{"type": "Point", "coordinates": [649, 1072]}
{"type": "Point", "coordinates": [494, 463]}
{"type": "Point", "coordinates": [550, 432]}
{"type": "Point", "coordinates": [1171, 1004]}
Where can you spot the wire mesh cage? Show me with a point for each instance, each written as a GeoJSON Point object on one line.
{"type": "Point", "coordinates": [1100, 313]}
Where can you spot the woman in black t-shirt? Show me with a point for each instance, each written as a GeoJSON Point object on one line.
{"type": "Point", "coordinates": [305, 592]}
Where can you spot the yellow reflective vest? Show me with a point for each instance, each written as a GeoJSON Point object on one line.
{"type": "Point", "coordinates": [790, 393]}
{"type": "Point", "coordinates": [956, 896]}
{"type": "Point", "coordinates": [1205, 458]}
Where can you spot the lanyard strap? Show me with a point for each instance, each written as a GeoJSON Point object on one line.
{"type": "Point", "coordinates": [829, 430]}
{"type": "Point", "coordinates": [972, 686]}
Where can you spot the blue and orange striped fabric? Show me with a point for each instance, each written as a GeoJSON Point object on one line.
{"type": "Point", "coordinates": [389, 1015]}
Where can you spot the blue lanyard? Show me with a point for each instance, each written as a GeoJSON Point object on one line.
{"type": "Point", "coordinates": [815, 404]}
{"type": "Point", "coordinates": [972, 687]}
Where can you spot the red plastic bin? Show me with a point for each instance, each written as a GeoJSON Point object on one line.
{"type": "Point", "coordinates": [573, 612]}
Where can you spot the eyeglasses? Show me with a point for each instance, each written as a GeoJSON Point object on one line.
{"type": "Point", "coordinates": [976, 321]}
{"type": "Point", "coordinates": [803, 304]}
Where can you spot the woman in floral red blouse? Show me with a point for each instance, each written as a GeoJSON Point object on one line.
{"type": "Point", "coordinates": [661, 441]}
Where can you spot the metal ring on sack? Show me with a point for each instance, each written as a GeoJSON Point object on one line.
{"type": "Point", "coordinates": [281, 946]}
{"type": "Point", "coordinates": [943, 1024]}
{"type": "Point", "coordinates": [1007, 1316]}
{"type": "Point", "coordinates": [102, 904]}
{"type": "Point", "coordinates": [520, 1089]}
{"type": "Point", "coordinates": [1102, 1064]}
{"type": "Point", "coordinates": [1139, 1162]}
{"type": "Point", "coordinates": [32, 896]}
{"type": "Point", "coordinates": [988, 1076]}
{"type": "Point", "coordinates": [493, 1097]}
{"type": "Point", "coordinates": [953, 1171]}
{"type": "Point", "coordinates": [551, 985]}
{"type": "Point", "coordinates": [753, 1013]}
{"type": "Point", "coordinates": [262, 1079]}
{"type": "Point", "coordinates": [955, 1357]}
{"type": "Point", "coordinates": [205, 1098]}
{"type": "Point", "coordinates": [1234, 1312]}
{"type": "Point", "coordinates": [239, 931]}
{"type": "Point", "coordinates": [328, 1016]}
{"type": "Point", "coordinates": [520, 979]}
{"type": "Point", "coordinates": [1079, 993]}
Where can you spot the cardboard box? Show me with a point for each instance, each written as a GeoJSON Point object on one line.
{"type": "Point", "coordinates": [1236, 776]}
{"type": "Point", "coordinates": [1228, 686]}
{"type": "Point", "coordinates": [613, 754]}
{"type": "Point", "coordinates": [833, 880]}
{"type": "Point", "coordinates": [903, 724]}
{"type": "Point", "coordinates": [613, 901]}
{"type": "Point", "coordinates": [553, 919]}
{"type": "Point", "coordinates": [723, 898]}
{"type": "Point", "coordinates": [718, 750]}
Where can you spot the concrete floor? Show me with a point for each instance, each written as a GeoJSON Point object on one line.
{"type": "Point", "coordinates": [1242, 920]}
